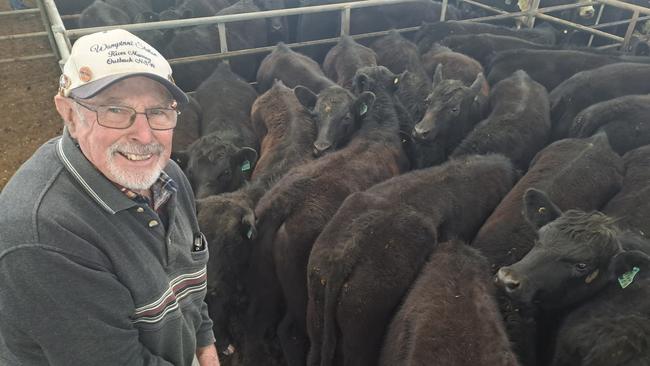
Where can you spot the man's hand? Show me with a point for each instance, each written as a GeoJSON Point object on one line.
{"type": "Point", "coordinates": [207, 356]}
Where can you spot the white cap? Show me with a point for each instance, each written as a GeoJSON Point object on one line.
{"type": "Point", "coordinates": [101, 59]}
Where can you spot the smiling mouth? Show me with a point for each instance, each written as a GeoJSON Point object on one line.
{"type": "Point", "coordinates": [136, 157]}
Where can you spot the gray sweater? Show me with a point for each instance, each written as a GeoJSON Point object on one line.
{"type": "Point", "coordinates": [91, 277]}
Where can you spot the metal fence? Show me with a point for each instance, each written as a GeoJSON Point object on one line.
{"type": "Point", "coordinates": [61, 37]}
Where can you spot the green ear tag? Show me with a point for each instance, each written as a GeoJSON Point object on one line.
{"type": "Point", "coordinates": [363, 109]}
{"type": "Point", "coordinates": [249, 234]}
{"type": "Point", "coordinates": [246, 166]}
{"type": "Point", "coordinates": [627, 277]}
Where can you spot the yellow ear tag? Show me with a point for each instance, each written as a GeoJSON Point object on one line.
{"type": "Point", "coordinates": [396, 81]}
{"type": "Point", "coordinates": [627, 277]}
{"type": "Point", "coordinates": [541, 210]}
{"type": "Point", "coordinates": [591, 277]}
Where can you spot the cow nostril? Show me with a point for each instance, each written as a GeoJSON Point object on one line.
{"type": "Point", "coordinates": [511, 285]}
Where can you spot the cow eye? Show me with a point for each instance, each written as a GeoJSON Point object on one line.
{"type": "Point", "coordinates": [581, 266]}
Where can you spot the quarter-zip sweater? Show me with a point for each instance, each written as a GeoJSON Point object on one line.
{"type": "Point", "coordinates": [91, 277]}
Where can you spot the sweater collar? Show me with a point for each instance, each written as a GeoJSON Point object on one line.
{"type": "Point", "coordinates": [96, 185]}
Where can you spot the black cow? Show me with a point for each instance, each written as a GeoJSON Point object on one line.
{"type": "Point", "coordinates": [193, 41]}
{"type": "Point", "coordinates": [292, 68]}
{"type": "Point", "coordinates": [228, 220]}
{"type": "Point", "coordinates": [631, 206]}
{"type": "Point", "coordinates": [240, 35]}
{"type": "Point", "coordinates": [188, 127]}
{"type": "Point", "coordinates": [449, 315]}
{"type": "Point", "coordinates": [563, 169]}
{"type": "Point", "coordinates": [114, 12]}
{"type": "Point", "coordinates": [430, 33]}
{"type": "Point", "coordinates": [334, 115]}
{"type": "Point", "coordinates": [412, 91]}
{"type": "Point", "coordinates": [483, 46]}
{"type": "Point", "coordinates": [293, 213]}
{"type": "Point", "coordinates": [624, 120]}
{"type": "Point", "coordinates": [344, 59]}
{"type": "Point", "coordinates": [457, 66]}
{"type": "Point", "coordinates": [286, 130]}
{"type": "Point", "coordinates": [549, 67]}
{"type": "Point", "coordinates": [199, 8]}
{"type": "Point", "coordinates": [224, 157]}
{"type": "Point", "coordinates": [583, 258]}
{"type": "Point", "coordinates": [452, 111]}
{"type": "Point", "coordinates": [412, 14]}
{"type": "Point", "coordinates": [369, 254]}
{"type": "Point", "coordinates": [590, 87]}
{"type": "Point", "coordinates": [519, 123]}
{"type": "Point", "coordinates": [397, 53]}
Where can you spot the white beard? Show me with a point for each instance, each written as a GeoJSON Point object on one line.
{"type": "Point", "coordinates": [135, 179]}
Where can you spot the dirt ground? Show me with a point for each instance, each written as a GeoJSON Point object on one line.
{"type": "Point", "coordinates": [27, 117]}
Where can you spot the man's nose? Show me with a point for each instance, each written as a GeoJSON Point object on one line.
{"type": "Point", "coordinates": [140, 129]}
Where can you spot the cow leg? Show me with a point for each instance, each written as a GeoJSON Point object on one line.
{"type": "Point", "coordinates": [293, 341]}
{"type": "Point", "coordinates": [291, 250]}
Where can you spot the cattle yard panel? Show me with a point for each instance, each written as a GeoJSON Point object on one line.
{"type": "Point", "coordinates": [62, 36]}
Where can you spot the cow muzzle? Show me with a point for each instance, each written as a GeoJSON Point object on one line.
{"type": "Point", "coordinates": [321, 148]}
{"type": "Point", "coordinates": [507, 280]}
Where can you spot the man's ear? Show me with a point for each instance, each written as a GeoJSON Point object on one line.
{"type": "Point", "coordinates": [66, 111]}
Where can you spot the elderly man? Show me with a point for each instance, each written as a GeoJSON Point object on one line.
{"type": "Point", "coordinates": [101, 258]}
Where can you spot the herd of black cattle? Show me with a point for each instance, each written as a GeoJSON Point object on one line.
{"type": "Point", "coordinates": [361, 211]}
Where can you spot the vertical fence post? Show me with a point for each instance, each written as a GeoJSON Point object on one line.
{"type": "Point", "coordinates": [223, 40]}
{"type": "Point", "coordinates": [600, 14]}
{"type": "Point", "coordinates": [48, 28]}
{"type": "Point", "coordinates": [530, 18]}
{"type": "Point", "coordinates": [443, 11]}
{"type": "Point", "coordinates": [630, 30]}
{"type": "Point", "coordinates": [345, 21]}
{"type": "Point", "coordinates": [58, 31]}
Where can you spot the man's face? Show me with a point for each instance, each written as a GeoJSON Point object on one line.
{"type": "Point", "coordinates": [132, 157]}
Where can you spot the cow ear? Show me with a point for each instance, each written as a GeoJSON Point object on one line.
{"type": "Point", "coordinates": [397, 79]}
{"type": "Point", "coordinates": [360, 83]}
{"type": "Point", "coordinates": [538, 208]}
{"type": "Point", "coordinates": [306, 97]}
{"type": "Point", "coordinates": [362, 105]}
{"type": "Point", "coordinates": [245, 159]}
{"type": "Point", "coordinates": [249, 230]}
{"type": "Point", "coordinates": [477, 85]}
{"type": "Point", "coordinates": [628, 265]}
{"type": "Point", "coordinates": [181, 158]}
{"type": "Point", "coordinates": [437, 75]}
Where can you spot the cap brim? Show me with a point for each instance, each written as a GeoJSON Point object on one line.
{"type": "Point", "coordinates": [91, 89]}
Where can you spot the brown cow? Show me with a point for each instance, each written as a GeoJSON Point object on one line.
{"type": "Point", "coordinates": [293, 213]}
{"type": "Point", "coordinates": [364, 261]}
{"type": "Point", "coordinates": [449, 316]}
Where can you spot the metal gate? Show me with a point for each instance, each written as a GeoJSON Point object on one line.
{"type": "Point", "coordinates": [61, 37]}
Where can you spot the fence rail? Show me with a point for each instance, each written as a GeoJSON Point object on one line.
{"type": "Point", "coordinates": [61, 37]}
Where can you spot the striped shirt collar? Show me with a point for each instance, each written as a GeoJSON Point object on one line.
{"type": "Point", "coordinates": [96, 185]}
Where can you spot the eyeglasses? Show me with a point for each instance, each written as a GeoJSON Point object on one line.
{"type": "Point", "coordinates": [120, 117]}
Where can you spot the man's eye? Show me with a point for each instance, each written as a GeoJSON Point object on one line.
{"type": "Point", "coordinates": [156, 112]}
{"type": "Point", "coordinates": [117, 110]}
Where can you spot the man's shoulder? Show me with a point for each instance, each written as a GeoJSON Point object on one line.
{"type": "Point", "coordinates": [38, 199]}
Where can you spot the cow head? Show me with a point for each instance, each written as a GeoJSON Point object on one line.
{"type": "Point", "coordinates": [575, 255]}
{"type": "Point", "coordinates": [278, 30]}
{"type": "Point", "coordinates": [215, 165]}
{"type": "Point", "coordinates": [334, 114]}
{"type": "Point", "coordinates": [450, 102]}
{"type": "Point", "coordinates": [375, 78]}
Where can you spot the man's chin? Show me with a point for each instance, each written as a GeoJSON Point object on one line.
{"type": "Point", "coordinates": [136, 180]}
